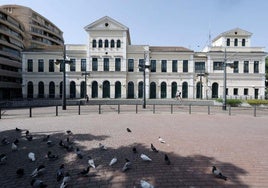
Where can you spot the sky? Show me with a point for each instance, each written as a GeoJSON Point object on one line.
{"type": "Point", "coordinates": [186, 23]}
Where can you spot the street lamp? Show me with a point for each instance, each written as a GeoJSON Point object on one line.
{"type": "Point", "coordinates": [62, 62]}
{"type": "Point", "coordinates": [144, 67]}
{"type": "Point", "coordinates": [85, 89]}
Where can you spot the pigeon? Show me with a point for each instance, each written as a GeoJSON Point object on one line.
{"type": "Point", "coordinates": [61, 144]}
{"type": "Point", "coordinates": [46, 138]}
{"type": "Point", "coordinates": [17, 129]}
{"type": "Point", "coordinates": [27, 132]}
{"type": "Point", "coordinates": [217, 173]}
{"type": "Point", "coordinates": [20, 172]}
{"type": "Point", "coordinates": [38, 171]}
{"type": "Point", "coordinates": [153, 148]}
{"type": "Point", "coordinates": [145, 157]}
{"type": "Point", "coordinates": [161, 140]}
{"type": "Point", "coordinates": [14, 147]}
{"type": "Point", "coordinates": [60, 173]}
{"type": "Point", "coordinates": [50, 143]}
{"type": "Point", "coordinates": [145, 184]}
{"type": "Point", "coordinates": [126, 166]}
{"type": "Point", "coordinates": [113, 161]}
{"type": "Point", "coordinates": [51, 156]}
{"type": "Point", "coordinates": [5, 141]}
{"type": "Point", "coordinates": [91, 162]}
{"type": "Point", "coordinates": [3, 158]}
{"type": "Point", "coordinates": [69, 148]}
{"type": "Point", "coordinates": [16, 141]}
{"type": "Point", "coordinates": [66, 180]}
{"type": "Point", "coordinates": [69, 132]}
{"type": "Point", "coordinates": [78, 153]}
{"type": "Point", "coordinates": [84, 172]}
{"type": "Point", "coordinates": [128, 130]}
{"type": "Point", "coordinates": [35, 183]}
{"type": "Point", "coordinates": [167, 160]}
{"type": "Point", "coordinates": [31, 156]}
{"type": "Point", "coordinates": [103, 147]}
{"type": "Point", "coordinates": [29, 137]}
{"type": "Point", "coordinates": [134, 150]}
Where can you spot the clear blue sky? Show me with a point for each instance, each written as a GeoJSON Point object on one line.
{"type": "Point", "coordinates": [184, 23]}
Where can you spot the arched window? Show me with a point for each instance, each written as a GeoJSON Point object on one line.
{"type": "Point", "coordinates": [173, 89]}
{"type": "Point", "coordinates": [243, 42]}
{"type": "Point", "coordinates": [140, 93]}
{"type": "Point", "coordinates": [117, 90]}
{"type": "Point", "coordinates": [94, 43]}
{"type": "Point", "coordinates": [118, 43]}
{"type": "Point", "coordinates": [152, 90]}
{"type": "Point", "coordinates": [94, 89]}
{"type": "Point", "coordinates": [235, 42]}
{"type": "Point", "coordinates": [41, 90]}
{"type": "Point", "coordinates": [163, 90]}
{"type": "Point", "coordinates": [215, 87]}
{"type": "Point", "coordinates": [51, 90]}
{"type": "Point", "coordinates": [30, 90]}
{"type": "Point", "coordinates": [106, 89]}
{"type": "Point", "coordinates": [100, 43]}
{"type": "Point", "coordinates": [106, 43]}
{"type": "Point", "coordinates": [112, 43]}
{"type": "Point", "coordinates": [82, 89]}
{"type": "Point", "coordinates": [184, 90]}
{"type": "Point", "coordinates": [72, 90]}
{"type": "Point", "coordinates": [228, 42]}
{"type": "Point", "coordinates": [130, 90]}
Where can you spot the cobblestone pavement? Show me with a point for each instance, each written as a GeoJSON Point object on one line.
{"type": "Point", "coordinates": [194, 143]}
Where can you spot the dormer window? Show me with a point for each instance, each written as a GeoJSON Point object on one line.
{"type": "Point", "coordinates": [243, 42]}
{"type": "Point", "coordinates": [235, 42]}
{"type": "Point", "coordinates": [228, 42]}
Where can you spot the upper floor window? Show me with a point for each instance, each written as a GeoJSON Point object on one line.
{"type": "Point", "coordinates": [100, 43]}
{"type": "Point", "coordinates": [83, 65]}
{"type": "Point", "coordinates": [243, 42]}
{"type": "Point", "coordinates": [217, 65]}
{"type": "Point", "coordinates": [228, 42]}
{"type": "Point", "coordinates": [235, 91]}
{"type": "Point", "coordinates": [51, 65]}
{"type": "Point", "coordinates": [106, 64]}
{"type": "Point", "coordinates": [174, 66]}
{"type": "Point", "coordinates": [30, 65]}
{"type": "Point", "coordinates": [235, 42]}
{"type": "Point", "coordinates": [236, 70]}
{"type": "Point", "coordinates": [256, 67]}
{"type": "Point", "coordinates": [40, 65]}
{"type": "Point", "coordinates": [185, 66]}
{"type": "Point", "coordinates": [118, 43]}
{"type": "Point", "coordinates": [245, 91]}
{"type": "Point", "coordinates": [245, 66]}
{"type": "Point", "coordinates": [94, 43]}
{"type": "Point", "coordinates": [164, 66]}
{"type": "Point", "coordinates": [153, 65]}
{"type": "Point", "coordinates": [199, 67]}
{"type": "Point", "coordinates": [72, 65]}
{"type": "Point", "coordinates": [141, 64]}
{"type": "Point", "coordinates": [117, 64]}
{"type": "Point", "coordinates": [112, 43]}
{"type": "Point", "coordinates": [94, 64]}
{"type": "Point", "coordinates": [130, 65]}
{"type": "Point", "coordinates": [106, 43]}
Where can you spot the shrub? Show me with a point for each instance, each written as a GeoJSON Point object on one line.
{"type": "Point", "coordinates": [257, 102]}
{"type": "Point", "coordinates": [231, 102]}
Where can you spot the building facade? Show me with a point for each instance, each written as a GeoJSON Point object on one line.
{"type": "Point", "coordinates": [109, 66]}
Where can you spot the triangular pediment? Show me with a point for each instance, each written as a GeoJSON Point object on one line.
{"type": "Point", "coordinates": [106, 23]}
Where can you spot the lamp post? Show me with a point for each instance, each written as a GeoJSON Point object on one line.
{"type": "Point", "coordinates": [144, 67]}
{"type": "Point", "coordinates": [63, 62]}
{"type": "Point", "coordinates": [85, 89]}
{"type": "Point", "coordinates": [224, 81]}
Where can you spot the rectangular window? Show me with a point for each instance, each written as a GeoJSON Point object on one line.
{"type": "Point", "coordinates": [117, 64]}
{"type": "Point", "coordinates": [236, 67]}
{"type": "Point", "coordinates": [83, 65]}
{"type": "Point", "coordinates": [105, 64]}
{"type": "Point", "coordinates": [153, 65]}
{"type": "Point", "coordinates": [94, 64]}
{"type": "Point", "coordinates": [185, 66]}
{"type": "Point", "coordinates": [235, 91]}
{"type": "Point", "coordinates": [245, 91]}
{"type": "Point", "coordinates": [141, 62]}
{"type": "Point", "coordinates": [61, 67]}
{"type": "Point", "coordinates": [40, 65]}
{"type": "Point", "coordinates": [30, 65]}
{"type": "Point", "coordinates": [164, 66]}
{"type": "Point", "coordinates": [217, 65]}
{"type": "Point", "coordinates": [51, 65]}
{"type": "Point", "coordinates": [174, 66]}
{"type": "Point", "coordinates": [256, 66]}
{"type": "Point", "coordinates": [130, 65]}
{"type": "Point", "coordinates": [199, 67]}
{"type": "Point", "coordinates": [72, 65]}
{"type": "Point", "coordinates": [245, 66]}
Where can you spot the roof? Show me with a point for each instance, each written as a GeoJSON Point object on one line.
{"type": "Point", "coordinates": [169, 49]}
{"type": "Point", "coordinates": [233, 33]}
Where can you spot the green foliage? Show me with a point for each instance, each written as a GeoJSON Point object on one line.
{"type": "Point", "coordinates": [231, 102]}
{"type": "Point", "coordinates": [257, 102]}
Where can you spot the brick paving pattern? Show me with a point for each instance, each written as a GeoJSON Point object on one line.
{"type": "Point", "coordinates": [195, 142]}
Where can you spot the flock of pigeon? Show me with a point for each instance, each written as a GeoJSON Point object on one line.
{"type": "Point", "coordinates": [65, 177]}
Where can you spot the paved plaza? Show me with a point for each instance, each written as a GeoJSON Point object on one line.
{"type": "Point", "coordinates": [236, 144]}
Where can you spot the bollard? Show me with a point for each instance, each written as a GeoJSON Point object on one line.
{"type": "Point", "coordinates": [99, 109]}
{"type": "Point", "coordinates": [57, 110]}
{"type": "Point", "coordinates": [255, 111]}
{"type": "Point", "coordinates": [79, 109]}
{"type": "Point", "coordinates": [136, 108]}
{"type": "Point", "coordinates": [229, 110]}
{"type": "Point", "coordinates": [208, 110]}
{"type": "Point", "coordinates": [118, 108]}
{"type": "Point", "coordinates": [154, 108]}
{"type": "Point", "coordinates": [30, 115]}
{"type": "Point", "coordinates": [171, 106]}
{"type": "Point", "coordinates": [190, 109]}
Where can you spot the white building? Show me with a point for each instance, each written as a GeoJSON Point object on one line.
{"type": "Point", "coordinates": [113, 66]}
